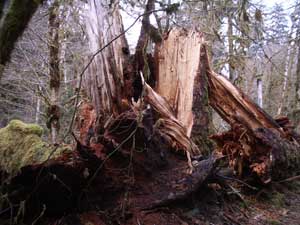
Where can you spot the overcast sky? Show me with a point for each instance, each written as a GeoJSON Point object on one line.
{"type": "Point", "coordinates": [270, 3]}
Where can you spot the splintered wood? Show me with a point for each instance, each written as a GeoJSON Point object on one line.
{"type": "Point", "coordinates": [172, 99]}
{"type": "Point", "coordinates": [178, 71]}
{"type": "Point", "coordinates": [178, 59]}
{"type": "Point", "coordinates": [170, 127]}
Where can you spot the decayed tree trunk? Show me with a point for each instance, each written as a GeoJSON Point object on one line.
{"type": "Point", "coordinates": [110, 83]}
{"type": "Point", "coordinates": [257, 143]}
{"type": "Point", "coordinates": [53, 111]}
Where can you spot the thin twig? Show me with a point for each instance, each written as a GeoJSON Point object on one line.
{"type": "Point", "coordinates": [289, 179]}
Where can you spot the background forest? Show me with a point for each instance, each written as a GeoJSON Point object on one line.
{"type": "Point", "coordinates": [255, 46]}
{"type": "Point", "coordinates": [149, 112]}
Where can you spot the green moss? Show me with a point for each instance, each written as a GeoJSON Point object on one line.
{"type": "Point", "coordinates": [273, 222]}
{"type": "Point", "coordinates": [21, 145]}
{"type": "Point", "coordinates": [278, 200]}
{"type": "Point", "coordinates": [19, 126]}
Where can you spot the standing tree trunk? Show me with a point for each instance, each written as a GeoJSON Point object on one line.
{"type": "Point", "coordinates": [285, 78]}
{"type": "Point", "coordinates": [38, 107]}
{"type": "Point", "coordinates": [13, 24]}
{"type": "Point", "coordinates": [296, 112]}
{"type": "Point", "coordinates": [54, 72]}
{"type": "Point", "coordinates": [259, 92]}
{"type": "Point", "coordinates": [2, 6]}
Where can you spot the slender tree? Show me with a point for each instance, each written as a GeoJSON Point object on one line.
{"type": "Point", "coordinates": [53, 111]}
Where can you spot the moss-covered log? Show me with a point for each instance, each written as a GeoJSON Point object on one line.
{"type": "Point", "coordinates": [36, 177]}
{"type": "Point", "coordinates": [21, 145]}
{"type": "Point", "coordinates": [13, 24]}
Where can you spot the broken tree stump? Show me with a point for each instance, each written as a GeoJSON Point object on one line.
{"type": "Point", "coordinates": [180, 82]}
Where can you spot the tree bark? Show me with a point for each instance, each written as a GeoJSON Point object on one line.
{"type": "Point", "coordinates": [105, 81]}
{"type": "Point", "coordinates": [12, 26]}
{"type": "Point", "coordinates": [54, 72]}
{"type": "Point", "coordinates": [285, 78]}
{"type": "Point", "coordinates": [231, 60]}
{"type": "Point", "coordinates": [2, 6]}
{"type": "Point", "coordinates": [297, 82]}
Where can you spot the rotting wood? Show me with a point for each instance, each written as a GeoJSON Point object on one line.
{"type": "Point", "coordinates": [256, 142]}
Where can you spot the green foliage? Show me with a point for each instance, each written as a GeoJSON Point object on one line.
{"type": "Point", "coordinates": [172, 8]}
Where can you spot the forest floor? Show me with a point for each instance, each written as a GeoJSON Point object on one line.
{"type": "Point", "coordinates": [212, 205]}
{"type": "Point", "coordinates": [279, 204]}
{"type": "Point", "coordinates": [86, 187]}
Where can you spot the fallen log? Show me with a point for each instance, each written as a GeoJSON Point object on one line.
{"type": "Point", "coordinates": [256, 143]}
